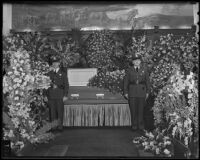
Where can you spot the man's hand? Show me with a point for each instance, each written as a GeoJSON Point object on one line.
{"type": "Point", "coordinates": [126, 96]}
{"type": "Point", "coordinates": [65, 98]}
{"type": "Point", "coordinates": [45, 99]}
{"type": "Point", "coordinates": [54, 86]}
{"type": "Point", "coordinates": [147, 95]}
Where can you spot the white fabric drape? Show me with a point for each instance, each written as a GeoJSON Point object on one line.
{"type": "Point", "coordinates": [97, 115]}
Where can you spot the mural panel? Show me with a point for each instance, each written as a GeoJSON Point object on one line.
{"type": "Point", "coordinates": [91, 17]}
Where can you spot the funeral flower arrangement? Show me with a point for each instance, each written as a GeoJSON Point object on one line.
{"type": "Point", "coordinates": [100, 47]}
{"type": "Point", "coordinates": [174, 79]}
{"type": "Point", "coordinates": [138, 46]}
{"type": "Point", "coordinates": [67, 50]}
{"type": "Point", "coordinates": [179, 102]}
{"type": "Point", "coordinates": [159, 75]}
{"type": "Point", "coordinates": [170, 49]}
{"type": "Point", "coordinates": [156, 142]}
{"type": "Point", "coordinates": [44, 48]}
{"type": "Point", "coordinates": [112, 81]}
{"type": "Point", "coordinates": [20, 83]}
{"type": "Point", "coordinates": [175, 112]}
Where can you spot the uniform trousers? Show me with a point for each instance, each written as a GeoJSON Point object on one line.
{"type": "Point", "coordinates": [56, 110]}
{"type": "Point", "coordinates": [136, 105]}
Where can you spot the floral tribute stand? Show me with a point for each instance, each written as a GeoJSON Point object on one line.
{"type": "Point", "coordinates": [24, 83]}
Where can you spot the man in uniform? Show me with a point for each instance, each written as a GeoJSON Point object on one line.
{"type": "Point", "coordinates": [136, 90]}
{"type": "Point", "coordinates": [58, 92]}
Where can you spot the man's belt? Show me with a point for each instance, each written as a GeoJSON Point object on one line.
{"type": "Point", "coordinates": [58, 86]}
{"type": "Point", "coordinates": [135, 83]}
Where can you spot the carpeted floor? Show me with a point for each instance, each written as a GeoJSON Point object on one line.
{"type": "Point", "coordinates": [89, 142]}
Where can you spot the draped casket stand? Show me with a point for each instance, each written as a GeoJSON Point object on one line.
{"type": "Point", "coordinates": [91, 106]}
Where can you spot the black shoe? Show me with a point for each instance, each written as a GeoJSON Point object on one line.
{"type": "Point", "coordinates": [134, 128]}
{"type": "Point", "coordinates": [60, 128]}
{"type": "Point", "coordinates": [141, 131]}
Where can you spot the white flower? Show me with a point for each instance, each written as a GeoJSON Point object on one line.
{"type": "Point", "coordinates": [170, 95]}
{"type": "Point", "coordinates": [186, 141]}
{"type": "Point", "coordinates": [16, 98]}
{"type": "Point", "coordinates": [146, 147]}
{"type": "Point", "coordinates": [151, 135]}
{"type": "Point", "coordinates": [145, 143]}
{"type": "Point", "coordinates": [166, 138]}
{"type": "Point", "coordinates": [16, 72]}
{"type": "Point", "coordinates": [179, 124]}
{"type": "Point", "coordinates": [31, 123]}
{"type": "Point", "coordinates": [167, 142]}
{"type": "Point", "coordinates": [16, 80]}
{"type": "Point", "coordinates": [21, 144]}
{"type": "Point", "coordinates": [15, 61]}
{"type": "Point", "coordinates": [151, 143]}
{"type": "Point", "coordinates": [157, 151]}
{"type": "Point", "coordinates": [166, 151]}
{"type": "Point", "coordinates": [174, 131]}
{"type": "Point", "coordinates": [11, 134]}
{"type": "Point", "coordinates": [20, 81]}
{"type": "Point", "coordinates": [9, 73]}
{"type": "Point", "coordinates": [15, 86]}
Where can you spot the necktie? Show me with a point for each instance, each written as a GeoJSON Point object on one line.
{"type": "Point", "coordinates": [137, 69]}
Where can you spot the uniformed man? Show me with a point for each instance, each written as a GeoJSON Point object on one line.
{"type": "Point", "coordinates": [58, 92]}
{"type": "Point", "coordinates": [136, 90]}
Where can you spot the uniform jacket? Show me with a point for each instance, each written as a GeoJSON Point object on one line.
{"type": "Point", "coordinates": [61, 81]}
{"type": "Point", "coordinates": [136, 84]}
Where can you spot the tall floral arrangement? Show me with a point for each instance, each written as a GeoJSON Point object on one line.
{"type": "Point", "coordinates": [10, 43]}
{"type": "Point", "coordinates": [174, 79]}
{"type": "Point", "coordinates": [140, 46]}
{"type": "Point", "coordinates": [170, 49]}
{"type": "Point", "coordinates": [176, 115]}
{"type": "Point", "coordinates": [35, 45]}
{"type": "Point", "coordinates": [21, 82]}
{"type": "Point", "coordinates": [67, 50]}
{"type": "Point", "coordinates": [179, 102]}
{"type": "Point", "coordinates": [99, 49]}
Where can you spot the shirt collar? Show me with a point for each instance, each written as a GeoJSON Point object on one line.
{"type": "Point", "coordinates": [56, 70]}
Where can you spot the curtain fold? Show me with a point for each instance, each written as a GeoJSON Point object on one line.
{"type": "Point", "coordinates": [97, 115]}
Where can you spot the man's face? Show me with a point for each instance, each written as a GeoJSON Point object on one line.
{"type": "Point", "coordinates": [56, 64]}
{"type": "Point", "coordinates": [137, 62]}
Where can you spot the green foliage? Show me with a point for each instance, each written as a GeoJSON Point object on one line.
{"type": "Point", "coordinates": [168, 50]}
{"type": "Point", "coordinates": [100, 47]}
{"type": "Point", "coordinates": [112, 81]}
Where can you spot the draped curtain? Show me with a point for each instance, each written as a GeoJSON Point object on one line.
{"type": "Point", "coordinates": [97, 115]}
